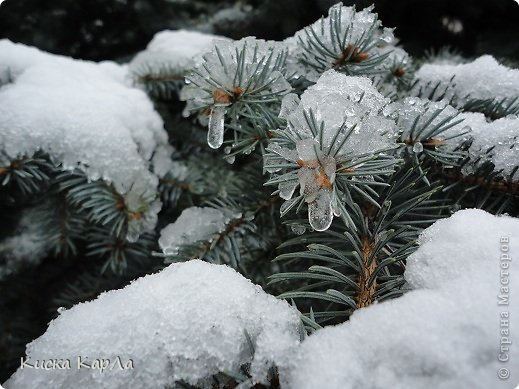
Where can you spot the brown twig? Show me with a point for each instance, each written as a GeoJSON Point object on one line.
{"type": "Point", "coordinates": [366, 294]}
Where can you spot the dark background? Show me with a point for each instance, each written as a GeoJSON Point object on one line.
{"type": "Point", "coordinates": [116, 29]}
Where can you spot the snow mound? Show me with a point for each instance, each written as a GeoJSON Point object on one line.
{"type": "Point", "coordinates": [447, 333]}
{"type": "Point", "coordinates": [482, 78]}
{"type": "Point", "coordinates": [81, 113]}
{"type": "Point", "coordinates": [185, 323]}
{"type": "Point", "coordinates": [495, 141]}
{"type": "Point", "coordinates": [177, 51]}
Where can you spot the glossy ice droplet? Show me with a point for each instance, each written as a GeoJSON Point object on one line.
{"type": "Point", "coordinates": [298, 229]}
{"type": "Point", "coordinates": [216, 127]}
{"type": "Point", "coordinates": [231, 159]}
{"type": "Point", "coordinates": [132, 236]}
{"type": "Point", "coordinates": [418, 147]}
{"type": "Point", "coordinates": [320, 212]}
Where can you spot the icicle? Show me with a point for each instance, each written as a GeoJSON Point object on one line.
{"type": "Point", "coordinates": [298, 229]}
{"type": "Point", "coordinates": [216, 127]}
{"type": "Point", "coordinates": [418, 147]}
{"type": "Point", "coordinates": [320, 212]}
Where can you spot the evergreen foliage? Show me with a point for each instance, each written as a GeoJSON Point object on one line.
{"type": "Point", "coordinates": [366, 207]}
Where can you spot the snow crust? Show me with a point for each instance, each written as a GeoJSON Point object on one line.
{"type": "Point", "coordinates": [445, 333]}
{"type": "Point", "coordinates": [186, 323]}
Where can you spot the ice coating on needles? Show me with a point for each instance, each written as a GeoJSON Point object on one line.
{"type": "Point", "coordinates": [337, 100]}
{"type": "Point", "coordinates": [338, 119]}
{"type": "Point", "coordinates": [232, 74]}
{"type": "Point", "coordinates": [185, 323]}
{"type": "Point", "coordinates": [412, 114]}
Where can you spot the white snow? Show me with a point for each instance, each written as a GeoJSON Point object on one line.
{"type": "Point", "coordinates": [444, 334]}
{"type": "Point", "coordinates": [186, 323]}
{"type": "Point", "coordinates": [175, 51]}
{"type": "Point", "coordinates": [27, 248]}
{"type": "Point", "coordinates": [482, 78]}
{"type": "Point", "coordinates": [82, 114]}
{"type": "Point", "coordinates": [194, 224]}
{"type": "Point", "coordinates": [337, 99]}
{"type": "Point", "coordinates": [495, 141]}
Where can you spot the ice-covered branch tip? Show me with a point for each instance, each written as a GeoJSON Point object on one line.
{"type": "Point", "coordinates": [445, 333]}
{"type": "Point", "coordinates": [332, 134]}
{"type": "Point", "coordinates": [234, 76]}
{"type": "Point", "coordinates": [348, 41]}
{"type": "Point", "coordinates": [185, 323]}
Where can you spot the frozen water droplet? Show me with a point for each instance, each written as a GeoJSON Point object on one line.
{"type": "Point", "coordinates": [227, 150]}
{"type": "Point", "coordinates": [288, 105]}
{"type": "Point", "coordinates": [231, 159]}
{"type": "Point", "coordinates": [170, 251]}
{"type": "Point", "coordinates": [320, 212]}
{"type": "Point", "coordinates": [132, 236]}
{"type": "Point", "coordinates": [216, 127]}
{"type": "Point", "coordinates": [418, 147]}
{"type": "Point", "coordinates": [298, 229]}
